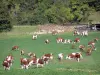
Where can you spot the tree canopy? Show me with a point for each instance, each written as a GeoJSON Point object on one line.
{"type": "Point", "coordinates": [33, 12]}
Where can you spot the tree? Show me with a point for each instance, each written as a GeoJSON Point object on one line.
{"type": "Point", "coordinates": [5, 24]}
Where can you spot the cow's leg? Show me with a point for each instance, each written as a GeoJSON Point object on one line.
{"type": "Point", "coordinates": [8, 68]}
{"type": "Point", "coordinates": [38, 65]}
{"type": "Point", "coordinates": [22, 66]}
{"type": "Point", "coordinates": [78, 59]}
{"type": "Point", "coordinates": [26, 66]}
{"type": "Point", "coordinates": [42, 65]}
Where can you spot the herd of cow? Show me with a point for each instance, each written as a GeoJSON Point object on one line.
{"type": "Point", "coordinates": [45, 58]}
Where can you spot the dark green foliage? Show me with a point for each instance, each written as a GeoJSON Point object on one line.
{"type": "Point", "coordinates": [5, 24]}
{"type": "Point", "coordinates": [32, 12]}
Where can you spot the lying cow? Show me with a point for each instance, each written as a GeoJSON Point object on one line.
{"type": "Point", "coordinates": [76, 33]}
{"type": "Point", "coordinates": [30, 54]}
{"type": "Point", "coordinates": [77, 40]}
{"type": "Point", "coordinates": [15, 48]}
{"type": "Point", "coordinates": [85, 33]}
{"type": "Point", "coordinates": [22, 52]}
{"type": "Point", "coordinates": [76, 56]}
{"type": "Point", "coordinates": [60, 56]}
{"type": "Point", "coordinates": [60, 40]}
{"type": "Point", "coordinates": [47, 41]}
{"type": "Point", "coordinates": [81, 47]}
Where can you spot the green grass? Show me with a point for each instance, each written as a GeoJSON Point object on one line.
{"type": "Point", "coordinates": [89, 63]}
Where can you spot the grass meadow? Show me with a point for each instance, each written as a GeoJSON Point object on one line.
{"type": "Point", "coordinates": [89, 65]}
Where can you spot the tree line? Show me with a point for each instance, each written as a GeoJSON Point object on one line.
{"type": "Point", "coordinates": [34, 12]}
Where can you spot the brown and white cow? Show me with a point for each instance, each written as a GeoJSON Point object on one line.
{"type": "Point", "coordinates": [6, 65]}
{"type": "Point", "coordinates": [89, 51]}
{"type": "Point", "coordinates": [60, 56]}
{"type": "Point", "coordinates": [76, 33]}
{"type": "Point", "coordinates": [24, 63]}
{"type": "Point", "coordinates": [36, 61]}
{"type": "Point", "coordinates": [76, 55]}
{"type": "Point", "coordinates": [47, 57]}
{"type": "Point", "coordinates": [81, 47]}
{"type": "Point", "coordinates": [15, 48]}
{"type": "Point", "coordinates": [9, 59]}
{"type": "Point", "coordinates": [76, 40]}
{"type": "Point", "coordinates": [96, 39]}
{"type": "Point", "coordinates": [92, 44]}
{"type": "Point", "coordinates": [59, 40]}
{"type": "Point", "coordinates": [30, 54]}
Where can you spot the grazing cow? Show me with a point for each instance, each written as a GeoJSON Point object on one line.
{"type": "Point", "coordinates": [24, 63]}
{"type": "Point", "coordinates": [34, 37]}
{"type": "Point", "coordinates": [40, 62]}
{"type": "Point", "coordinates": [81, 47]}
{"type": "Point", "coordinates": [36, 61]}
{"type": "Point", "coordinates": [15, 48]}
{"type": "Point", "coordinates": [91, 43]}
{"type": "Point", "coordinates": [60, 56]}
{"type": "Point", "coordinates": [89, 51]}
{"type": "Point", "coordinates": [6, 65]}
{"type": "Point", "coordinates": [22, 52]}
{"type": "Point", "coordinates": [77, 40]}
{"type": "Point", "coordinates": [76, 56]}
{"type": "Point", "coordinates": [47, 41]}
{"type": "Point", "coordinates": [60, 40]}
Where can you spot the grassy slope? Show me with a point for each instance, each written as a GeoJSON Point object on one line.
{"type": "Point", "coordinates": [54, 67]}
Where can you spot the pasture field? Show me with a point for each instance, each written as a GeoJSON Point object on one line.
{"type": "Point", "coordinates": [89, 65]}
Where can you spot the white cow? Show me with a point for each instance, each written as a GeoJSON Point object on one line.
{"type": "Point", "coordinates": [60, 56]}
{"type": "Point", "coordinates": [34, 37]}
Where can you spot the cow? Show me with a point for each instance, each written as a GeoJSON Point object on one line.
{"type": "Point", "coordinates": [34, 37]}
{"type": "Point", "coordinates": [60, 40]}
{"type": "Point", "coordinates": [76, 55]}
{"type": "Point", "coordinates": [76, 33]}
{"type": "Point", "coordinates": [91, 43]}
{"type": "Point", "coordinates": [54, 32]}
{"type": "Point", "coordinates": [24, 63]}
{"type": "Point", "coordinates": [47, 57]}
{"type": "Point", "coordinates": [96, 39]}
{"type": "Point", "coordinates": [6, 65]}
{"type": "Point", "coordinates": [22, 52]}
{"type": "Point", "coordinates": [30, 54]}
{"type": "Point", "coordinates": [47, 41]}
{"type": "Point", "coordinates": [66, 41]}
{"type": "Point", "coordinates": [40, 62]}
{"type": "Point", "coordinates": [81, 47]}
{"type": "Point", "coordinates": [15, 48]}
{"type": "Point", "coordinates": [89, 51]}
{"type": "Point", "coordinates": [84, 33]}
{"type": "Point", "coordinates": [36, 61]}
{"type": "Point", "coordinates": [76, 40]}
{"type": "Point", "coordinates": [60, 56]}
{"type": "Point", "coordinates": [9, 59]}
